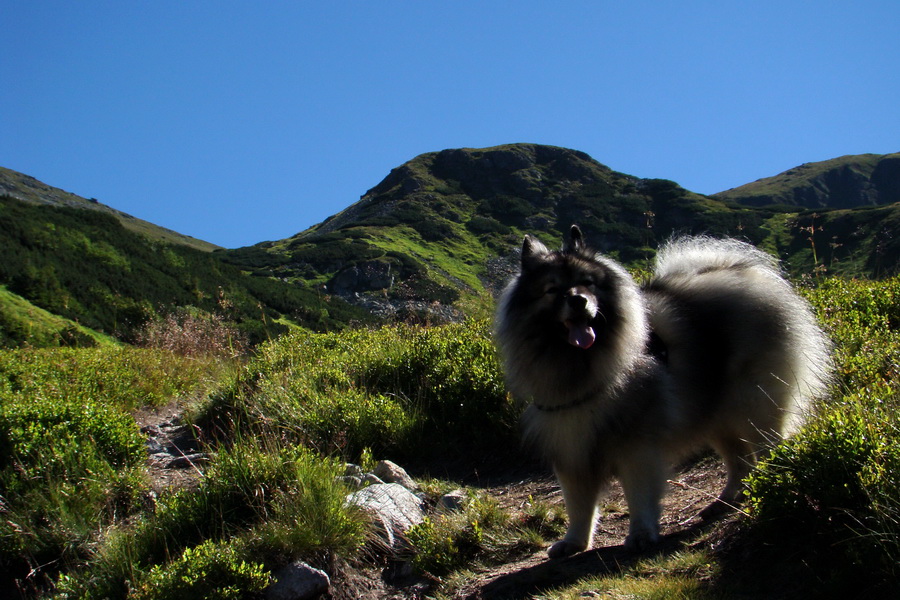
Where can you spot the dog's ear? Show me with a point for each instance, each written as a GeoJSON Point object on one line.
{"type": "Point", "coordinates": [532, 252]}
{"type": "Point", "coordinates": [575, 242]}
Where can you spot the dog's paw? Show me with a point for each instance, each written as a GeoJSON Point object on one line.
{"type": "Point", "coordinates": [641, 541]}
{"type": "Point", "coordinates": [564, 548]}
{"type": "Point", "coordinates": [715, 510]}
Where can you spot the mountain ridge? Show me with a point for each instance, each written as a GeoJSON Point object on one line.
{"type": "Point", "coordinates": [29, 189]}
{"type": "Point", "coordinates": [848, 181]}
{"type": "Point", "coordinates": [438, 236]}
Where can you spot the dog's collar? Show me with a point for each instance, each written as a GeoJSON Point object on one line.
{"type": "Point", "coordinates": [558, 407]}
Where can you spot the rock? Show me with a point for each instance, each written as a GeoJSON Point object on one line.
{"type": "Point", "coordinates": [298, 581]}
{"type": "Point", "coordinates": [452, 501]}
{"type": "Point", "coordinates": [351, 470]}
{"type": "Point", "coordinates": [370, 479]}
{"type": "Point", "coordinates": [363, 277]}
{"type": "Point", "coordinates": [394, 508]}
{"type": "Point", "coordinates": [392, 473]}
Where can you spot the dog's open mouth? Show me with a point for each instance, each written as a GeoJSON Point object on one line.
{"type": "Point", "coordinates": [581, 335]}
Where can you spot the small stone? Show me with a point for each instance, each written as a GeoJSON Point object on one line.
{"type": "Point", "coordinates": [390, 472]}
{"type": "Point", "coordinates": [298, 581]}
{"type": "Point", "coordinates": [452, 501]}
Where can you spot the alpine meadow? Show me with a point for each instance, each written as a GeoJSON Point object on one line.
{"type": "Point", "coordinates": [182, 420]}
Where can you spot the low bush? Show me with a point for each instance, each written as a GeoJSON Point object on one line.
{"type": "Point", "coordinates": [830, 493]}
{"type": "Point", "coordinates": [400, 391]}
{"type": "Point", "coordinates": [266, 506]}
{"type": "Point", "coordinates": [212, 571]}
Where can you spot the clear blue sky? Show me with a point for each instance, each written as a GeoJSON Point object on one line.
{"type": "Point", "coordinates": [240, 122]}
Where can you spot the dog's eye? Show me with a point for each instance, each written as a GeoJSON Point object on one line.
{"type": "Point", "coordinates": [586, 282]}
{"type": "Point", "coordinates": [552, 290]}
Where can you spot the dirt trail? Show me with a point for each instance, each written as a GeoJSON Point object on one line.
{"type": "Point", "coordinates": [171, 443]}
{"type": "Point", "coordinates": [689, 491]}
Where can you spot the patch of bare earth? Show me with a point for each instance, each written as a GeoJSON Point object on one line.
{"type": "Point", "coordinates": [174, 457]}
{"type": "Point", "coordinates": [689, 491]}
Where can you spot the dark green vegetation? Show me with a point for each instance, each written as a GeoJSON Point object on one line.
{"type": "Point", "coordinates": [28, 189]}
{"type": "Point", "coordinates": [84, 266]}
{"type": "Point", "coordinates": [845, 182]}
{"type": "Point", "coordinates": [431, 242]}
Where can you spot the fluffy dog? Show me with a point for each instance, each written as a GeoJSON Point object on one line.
{"type": "Point", "coordinates": [717, 349]}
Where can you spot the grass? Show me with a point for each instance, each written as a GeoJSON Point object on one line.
{"type": "Point", "coordinates": [23, 323]}
{"type": "Point", "coordinates": [79, 520]}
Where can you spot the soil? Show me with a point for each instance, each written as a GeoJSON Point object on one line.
{"type": "Point", "coordinates": [690, 490]}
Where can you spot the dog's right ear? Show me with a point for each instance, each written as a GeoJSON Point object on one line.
{"type": "Point", "coordinates": [575, 242]}
{"type": "Point", "coordinates": [532, 252]}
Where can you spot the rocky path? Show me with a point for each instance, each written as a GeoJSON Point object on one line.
{"type": "Point", "coordinates": [690, 490]}
{"type": "Point", "coordinates": [175, 460]}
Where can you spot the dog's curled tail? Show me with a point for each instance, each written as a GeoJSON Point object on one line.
{"type": "Point", "coordinates": [701, 254]}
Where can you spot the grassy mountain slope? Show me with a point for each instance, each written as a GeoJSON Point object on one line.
{"type": "Point", "coordinates": [442, 227]}
{"type": "Point", "coordinates": [28, 189]}
{"type": "Point", "coordinates": [87, 267]}
{"type": "Point", "coordinates": [844, 182]}
{"type": "Point", "coordinates": [21, 322]}
{"type": "Point", "coordinates": [433, 229]}
{"type": "Point", "coordinates": [435, 239]}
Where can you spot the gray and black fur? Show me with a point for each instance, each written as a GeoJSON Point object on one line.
{"type": "Point", "coordinates": [716, 349]}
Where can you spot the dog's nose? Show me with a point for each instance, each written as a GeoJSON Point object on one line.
{"type": "Point", "coordinates": [577, 301]}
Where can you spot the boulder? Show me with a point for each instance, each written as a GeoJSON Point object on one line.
{"type": "Point", "coordinates": [390, 472]}
{"type": "Point", "coordinates": [298, 581]}
{"type": "Point", "coordinates": [394, 509]}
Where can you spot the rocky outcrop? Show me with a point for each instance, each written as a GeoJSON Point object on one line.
{"type": "Point", "coordinates": [363, 277]}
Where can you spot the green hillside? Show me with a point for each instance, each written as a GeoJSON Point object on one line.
{"type": "Point", "coordinates": [28, 189]}
{"type": "Point", "coordinates": [433, 241]}
{"type": "Point", "coordinates": [85, 266]}
{"type": "Point", "coordinates": [441, 229]}
{"type": "Point", "coordinates": [844, 182]}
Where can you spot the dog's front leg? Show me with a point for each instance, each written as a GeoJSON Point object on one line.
{"type": "Point", "coordinates": [581, 493]}
{"type": "Point", "coordinates": [643, 476]}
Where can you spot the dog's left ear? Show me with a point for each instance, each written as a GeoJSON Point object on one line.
{"type": "Point", "coordinates": [533, 252]}
{"type": "Point", "coordinates": [575, 242]}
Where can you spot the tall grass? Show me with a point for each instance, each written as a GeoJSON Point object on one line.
{"type": "Point", "coordinates": [259, 506]}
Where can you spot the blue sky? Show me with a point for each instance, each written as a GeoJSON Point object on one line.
{"type": "Point", "coordinates": [240, 122]}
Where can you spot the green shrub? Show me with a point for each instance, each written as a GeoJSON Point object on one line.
{"type": "Point", "coordinates": [863, 318]}
{"type": "Point", "coordinates": [213, 571]}
{"type": "Point", "coordinates": [268, 505]}
{"type": "Point", "coordinates": [833, 488]}
{"type": "Point", "coordinates": [401, 391]}
{"type": "Point", "coordinates": [66, 468]}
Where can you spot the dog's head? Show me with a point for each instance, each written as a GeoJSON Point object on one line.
{"type": "Point", "coordinates": [568, 287]}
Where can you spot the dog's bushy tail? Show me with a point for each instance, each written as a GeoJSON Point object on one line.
{"type": "Point", "coordinates": [807, 347]}
{"type": "Point", "coordinates": [701, 254]}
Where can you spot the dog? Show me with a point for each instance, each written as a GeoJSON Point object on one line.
{"type": "Point", "coordinates": [621, 380]}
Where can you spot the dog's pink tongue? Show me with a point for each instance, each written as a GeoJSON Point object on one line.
{"type": "Point", "coordinates": [581, 336]}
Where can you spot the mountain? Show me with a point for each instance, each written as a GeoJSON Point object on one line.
{"type": "Point", "coordinates": [437, 238]}
{"type": "Point", "coordinates": [88, 268]}
{"type": "Point", "coordinates": [441, 230]}
{"type": "Point", "coordinates": [845, 182]}
{"type": "Point", "coordinates": [28, 189]}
